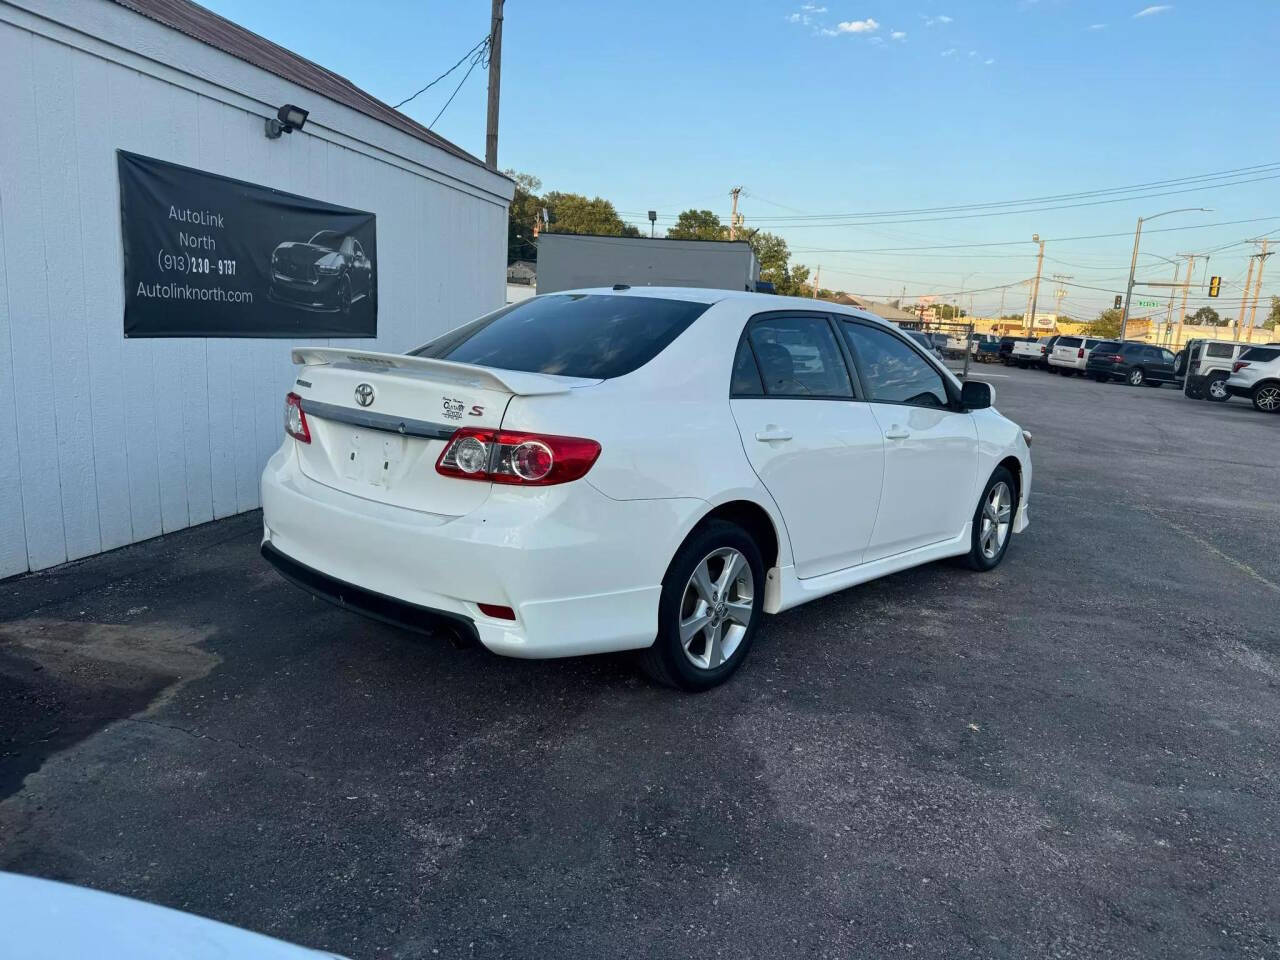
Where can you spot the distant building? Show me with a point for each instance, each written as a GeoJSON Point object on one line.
{"type": "Point", "coordinates": [523, 272]}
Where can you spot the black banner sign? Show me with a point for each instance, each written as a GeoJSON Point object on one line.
{"type": "Point", "coordinates": [208, 256]}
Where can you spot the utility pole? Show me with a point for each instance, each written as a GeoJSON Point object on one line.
{"type": "Point", "coordinates": [1035, 290]}
{"type": "Point", "coordinates": [816, 274]}
{"type": "Point", "coordinates": [1168, 320]}
{"type": "Point", "coordinates": [733, 216]}
{"type": "Point", "coordinates": [1059, 294]}
{"type": "Point", "coordinates": [1186, 288]}
{"type": "Point", "coordinates": [1257, 287]}
{"type": "Point", "coordinates": [495, 86]}
{"type": "Point", "coordinates": [1244, 297]}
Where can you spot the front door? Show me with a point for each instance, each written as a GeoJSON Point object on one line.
{"type": "Point", "coordinates": [931, 448]}
{"type": "Point", "coordinates": [817, 449]}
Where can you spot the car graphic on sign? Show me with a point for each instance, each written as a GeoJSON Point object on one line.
{"type": "Point", "coordinates": [328, 272]}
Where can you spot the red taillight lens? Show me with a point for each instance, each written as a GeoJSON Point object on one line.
{"type": "Point", "coordinates": [497, 611]}
{"type": "Point", "coordinates": [506, 456]}
{"type": "Point", "coordinates": [295, 421]}
{"type": "Point", "coordinates": [1080, 353]}
{"type": "Point", "coordinates": [1239, 365]}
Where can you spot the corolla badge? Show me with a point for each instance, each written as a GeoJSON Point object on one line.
{"type": "Point", "coordinates": [364, 394]}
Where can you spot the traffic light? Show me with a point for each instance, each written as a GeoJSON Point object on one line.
{"type": "Point", "coordinates": [1119, 300]}
{"type": "Point", "coordinates": [1214, 284]}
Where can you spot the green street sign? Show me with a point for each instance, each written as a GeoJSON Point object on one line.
{"type": "Point", "coordinates": [1148, 303]}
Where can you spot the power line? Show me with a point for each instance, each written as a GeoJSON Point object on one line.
{"type": "Point", "coordinates": [476, 58]}
{"type": "Point", "coordinates": [483, 43]}
{"type": "Point", "coordinates": [1010, 243]}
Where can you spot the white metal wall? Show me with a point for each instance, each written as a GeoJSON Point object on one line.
{"type": "Point", "coordinates": [106, 441]}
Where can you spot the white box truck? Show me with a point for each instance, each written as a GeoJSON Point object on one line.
{"type": "Point", "coordinates": [567, 261]}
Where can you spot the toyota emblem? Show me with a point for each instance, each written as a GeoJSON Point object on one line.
{"type": "Point", "coordinates": [364, 394]}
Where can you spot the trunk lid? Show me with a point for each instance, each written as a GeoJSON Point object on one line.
{"type": "Point", "coordinates": [379, 423]}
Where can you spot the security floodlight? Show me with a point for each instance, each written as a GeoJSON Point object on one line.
{"type": "Point", "coordinates": [287, 119]}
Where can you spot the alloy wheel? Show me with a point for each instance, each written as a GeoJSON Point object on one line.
{"type": "Point", "coordinates": [1268, 398]}
{"type": "Point", "coordinates": [716, 608]}
{"type": "Point", "coordinates": [1135, 377]}
{"type": "Point", "coordinates": [997, 517]}
{"type": "Point", "coordinates": [1218, 389]}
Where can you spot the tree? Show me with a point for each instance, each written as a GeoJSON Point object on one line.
{"type": "Point", "coordinates": [1205, 317]}
{"type": "Point", "coordinates": [525, 208]}
{"type": "Point", "coordinates": [697, 225]}
{"type": "Point", "coordinates": [575, 213]}
{"type": "Point", "coordinates": [1107, 325]}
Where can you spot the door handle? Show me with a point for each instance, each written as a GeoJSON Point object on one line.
{"type": "Point", "coordinates": [773, 433]}
{"type": "Point", "coordinates": [897, 433]}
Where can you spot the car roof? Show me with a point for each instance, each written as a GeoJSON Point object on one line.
{"type": "Point", "coordinates": [758, 301]}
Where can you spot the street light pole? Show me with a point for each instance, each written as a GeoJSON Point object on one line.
{"type": "Point", "coordinates": [1133, 262]}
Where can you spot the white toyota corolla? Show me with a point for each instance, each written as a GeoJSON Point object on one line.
{"type": "Point", "coordinates": [635, 469]}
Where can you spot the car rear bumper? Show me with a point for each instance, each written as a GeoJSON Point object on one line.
{"type": "Point", "coordinates": [582, 572]}
{"type": "Point", "coordinates": [1076, 364]}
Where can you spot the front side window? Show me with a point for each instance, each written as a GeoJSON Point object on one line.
{"type": "Point", "coordinates": [799, 357]}
{"type": "Point", "coordinates": [1166, 355]}
{"type": "Point", "coordinates": [891, 372]}
{"type": "Point", "coordinates": [1260, 354]}
{"type": "Point", "coordinates": [595, 336]}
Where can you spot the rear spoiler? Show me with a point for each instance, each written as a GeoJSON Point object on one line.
{"type": "Point", "coordinates": [512, 381]}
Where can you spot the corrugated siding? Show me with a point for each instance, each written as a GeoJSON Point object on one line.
{"type": "Point", "coordinates": [106, 441]}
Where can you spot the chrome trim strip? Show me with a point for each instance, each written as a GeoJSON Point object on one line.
{"type": "Point", "coordinates": [377, 421]}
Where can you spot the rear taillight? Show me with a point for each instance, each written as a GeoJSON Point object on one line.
{"type": "Point", "coordinates": [1080, 353]}
{"type": "Point", "coordinates": [1239, 365]}
{"type": "Point", "coordinates": [295, 421]}
{"type": "Point", "coordinates": [508, 456]}
{"type": "Point", "coordinates": [1118, 358]}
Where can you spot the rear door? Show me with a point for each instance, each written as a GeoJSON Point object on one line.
{"type": "Point", "coordinates": [931, 448]}
{"type": "Point", "coordinates": [815, 446]}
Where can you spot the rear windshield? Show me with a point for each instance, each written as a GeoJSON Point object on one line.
{"type": "Point", "coordinates": [1261, 354]}
{"type": "Point", "coordinates": [1107, 346]}
{"type": "Point", "coordinates": [595, 336]}
{"type": "Point", "coordinates": [1068, 342]}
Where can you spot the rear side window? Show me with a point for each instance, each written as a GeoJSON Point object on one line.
{"type": "Point", "coordinates": [799, 357]}
{"type": "Point", "coordinates": [1068, 342]}
{"type": "Point", "coordinates": [1260, 354]}
{"type": "Point", "coordinates": [1107, 346]}
{"type": "Point", "coordinates": [1219, 350]}
{"type": "Point", "coordinates": [1090, 344]}
{"type": "Point", "coordinates": [891, 372]}
{"type": "Point", "coordinates": [745, 381]}
{"type": "Point", "coordinates": [595, 336]}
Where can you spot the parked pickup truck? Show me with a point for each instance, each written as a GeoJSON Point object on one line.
{"type": "Point", "coordinates": [986, 347]}
{"type": "Point", "coordinates": [1027, 353]}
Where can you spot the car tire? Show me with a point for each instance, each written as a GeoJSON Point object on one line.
{"type": "Point", "coordinates": [1136, 377]}
{"type": "Point", "coordinates": [344, 296]}
{"type": "Point", "coordinates": [998, 508]}
{"type": "Point", "coordinates": [685, 658]}
{"type": "Point", "coordinates": [1216, 389]}
{"type": "Point", "coordinates": [1266, 397]}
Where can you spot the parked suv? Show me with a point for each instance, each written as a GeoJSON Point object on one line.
{"type": "Point", "coordinates": [1071, 354]}
{"type": "Point", "coordinates": [1135, 363]}
{"type": "Point", "coordinates": [1256, 375]}
{"type": "Point", "coordinates": [1207, 364]}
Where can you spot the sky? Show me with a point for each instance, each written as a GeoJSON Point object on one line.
{"type": "Point", "coordinates": [829, 107]}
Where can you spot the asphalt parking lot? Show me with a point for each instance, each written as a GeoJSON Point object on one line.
{"type": "Point", "coordinates": [1077, 755]}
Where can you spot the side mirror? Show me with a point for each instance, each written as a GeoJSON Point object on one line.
{"type": "Point", "coordinates": [977, 395]}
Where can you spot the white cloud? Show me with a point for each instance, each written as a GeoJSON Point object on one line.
{"type": "Point", "coordinates": [930, 21]}
{"type": "Point", "coordinates": [810, 8]}
{"type": "Point", "coordinates": [949, 53]}
{"type": "Point", "coordinates": [1150, 11]}
{"type": "Point", "coordinates": [988, 62]}
{"type": "Point", "coordinates": [794, 18]}
{"type": "Point", "coordinates": [857, 26]}
{"type": "Point", "coordinates": [973, 53]}
{"type": "Point", "coordinates": [898, 35]}
{"type": "Point", "coordinates": [1097, 26]}
{"type": "Point", "coordinates": [877, 39]}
